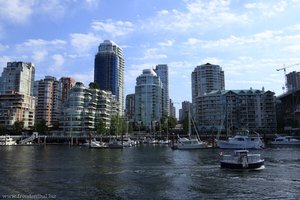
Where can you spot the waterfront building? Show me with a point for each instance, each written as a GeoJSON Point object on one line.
{"type": "Point", "coordinates": [293, 81]}
{"type": "Point", "coordinates": [47, 93]}
{"type": "Point", "coordinates": [184, 111]}
{"type": "Point", "coordinates": [85, 108]}
{"type": "Point", "coordinates": [236, 109]}
{"type": "Point", "coordinates": [148, 99]}
{"type": "Point", "coordinates": [17, 107]}
{"type": "Point", "coordinates": [130, 107]}
{"type": "Point", "coordinates": [17, 103]}
{"type": "Point", "coordinates": [162, 72]}
{"type": "Point", "coordinates": [288, 110]}
{"type": "Point", "coordinates": [109, 71]}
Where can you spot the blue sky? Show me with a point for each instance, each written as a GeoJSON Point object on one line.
{"type": "Point", "coordinates": [248, 39]}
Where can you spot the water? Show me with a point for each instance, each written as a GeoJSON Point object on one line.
{"type": "Point", "coordinates": [145, 172]}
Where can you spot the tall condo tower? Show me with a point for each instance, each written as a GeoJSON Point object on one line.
{"type": "Point", "coordinates": [162, 72]}
{"type": "Point", "coordinates": [18, 77]}
{"type": "Point", "coordinates": [206, 78]}
{"type": "Point", "coordinates": [16, 95]}
{"type": "Point", "coordinates": [148, 99]}
{"type": "Point", "coordinates": [47, 94]}
{"type": "Point", "coordinates": [109, 71]}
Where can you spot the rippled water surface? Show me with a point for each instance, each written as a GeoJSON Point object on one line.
{"type": "Point", "coordinates": [144, 172]}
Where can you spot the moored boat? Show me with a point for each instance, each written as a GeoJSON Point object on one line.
{"type": "Point", "coordinates": [285, 140]}
{"type": "Point", "coordinates": [6, 140]}
{"type": "Point", "coordinates": [241, 159]}
{"type": "Point", "coordinates": [241, 140]}
{"type": "Point", "coordinates": [189, 143]}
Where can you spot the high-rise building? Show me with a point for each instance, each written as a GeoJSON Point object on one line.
{"type": "Point", "coordinates": [18, 77]}
{"type": "Point", "coordinates": [17, 104]}
{"type": "Point", "coordinates": [47, 92]}
{"type": "Point", "coordinates": [293, 81]}
{"type": "Point", "coordinates": [148, 99]}
{"type": "Point", "coordinates": [206, 78]}
{"type": "Point", "coordinates": [109, 70]}
{"type": "Point", "coordinates": [172, 109]}
{"type": "Point", "coordinates": [184, 111]}
{"type": "Point", "coordinates": [130, 106]}
{"type": "Point", "coordinates": [66, 83]}
{"type": "Point", "coordinates": [162, 72]}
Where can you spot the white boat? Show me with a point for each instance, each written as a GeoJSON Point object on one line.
{"type": "Point", "coordinates": [242, 159]}
{"type": "Point", "coordinates": [191, 142]}
{"type": "Point", "coordinates": [7, 141]}
{"type": "Point", "coordinates": [94, 144]}
{"type": "Point", "coordinates": [285, 140]}
{"type": "Point", "coordinates": [115, 144]}
{"type": "Point", "coordinates": [241, 140]}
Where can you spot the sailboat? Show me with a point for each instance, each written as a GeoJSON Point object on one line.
{"type": "Point", "coordinates": [190, 142]}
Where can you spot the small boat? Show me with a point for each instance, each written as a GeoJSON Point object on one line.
{"type": "Point", "coordinates": [94, 144]}
{"type": "Point", "coordinates": [242, 159]}
{"type": "Point", "coordinates": [285, 140]}
{"type": "Point", "coordinates": [115, 144]}
{"type": "Point", "coordinates": [241, 140]}
{"type": "Point", "coordinates": [6, 140]}
{"type": "Point", "coordinates": [191, 142]}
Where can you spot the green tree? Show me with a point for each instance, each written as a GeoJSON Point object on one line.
{"type": "Point", "coordinates": [93, 85]}
{"type": "Point", "coordinates": [17, 128]}
{"type": "Point", "coordinates": [41, 127]}
{"type": "Point", "coordinates": [3, 130]}
{"type": "Point", "coordinates": [101, 127]}
{"type": "Point", "coordinates": [117, 125]}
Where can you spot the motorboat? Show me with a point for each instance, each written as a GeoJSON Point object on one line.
{"type": "Point", "coordinates": [189, 143]}
{"type": "Point", "coordinates": [285, 140]}
{"type": "Point", "coordinates": [241, 140]}
{"type": "Point", "coordinates": [241, 159]}
{"type": "Point", "coordinates": [6, 140]}
{"type": "Point", "coordinates": [93, 143]}
{"type": "Point", "coordinates": [115, 144]}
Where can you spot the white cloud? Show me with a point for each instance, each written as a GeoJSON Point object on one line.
{"type": "Point", "coordinates": [40, 43]}
{"type": "Point", "coordinates": [153, 53]}
{"type": "Point", "coordinates": [198, 16]}
{"type": "Point", "coordinates": [268, 9]}
{"type": "Point", "coordinates": [85, 78]}
{"type": "Point", "coordinates": [39, 56]}
{"type": "Point", "coordinates": [58, 61]}
{"type": "Point", "coordinates": [167, 43]}
{"type": "Point", "coordinates": [15, 11]}
{"type": "Point", "coordinates": [3, 47]}
{"type": "Point", "coordinates": [113, 28]}
{"type": "Point", "coordinates": [83, 43]}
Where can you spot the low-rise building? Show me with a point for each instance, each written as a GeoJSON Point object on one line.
{"type": "Point", "coordinates": [236, 109]}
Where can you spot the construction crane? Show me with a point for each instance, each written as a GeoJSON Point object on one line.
{"type": "Point", "coordinates": [284, 70]}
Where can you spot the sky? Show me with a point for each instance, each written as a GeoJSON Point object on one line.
{"type": "Point", "coordinates": [248, 39]}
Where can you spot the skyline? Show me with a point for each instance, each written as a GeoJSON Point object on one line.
{"type": "Point", "coordinates": [248, 39]}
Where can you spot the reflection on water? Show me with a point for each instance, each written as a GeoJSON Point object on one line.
{"type": "Point", "coordinates": [145, 172]}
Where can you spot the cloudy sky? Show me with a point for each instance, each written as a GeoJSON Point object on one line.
{"type": "Point", "coordinates": [248, 39]}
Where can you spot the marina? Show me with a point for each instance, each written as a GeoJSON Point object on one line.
{"type": "Point", "coordinates": [144, 172]}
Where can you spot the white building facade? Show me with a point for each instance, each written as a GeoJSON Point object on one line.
{"type": "Point", "coordinates": [148, 99]}
{"type": "Point", "coordinates": [17, 103]}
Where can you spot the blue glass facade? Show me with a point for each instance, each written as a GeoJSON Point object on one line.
{"type": "Point", "coordinates": [106, 71]}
